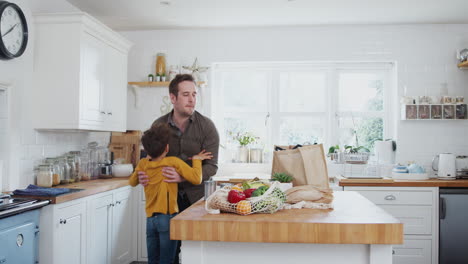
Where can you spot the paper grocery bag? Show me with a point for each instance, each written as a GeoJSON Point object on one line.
{"type": "Point", "coordinates": [305, 163]}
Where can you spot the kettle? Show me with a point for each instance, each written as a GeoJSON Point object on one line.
{"type": "Point", "coordinates": [446, 168]}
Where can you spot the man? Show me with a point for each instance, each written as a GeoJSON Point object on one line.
{"type": "Point", "coordinates": [191, 132]}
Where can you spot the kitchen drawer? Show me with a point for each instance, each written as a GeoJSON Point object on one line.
{"type": "Point", "coordinates": [398, 197]}
{"type": "Point", "coordinates": [417, 220]}
{"type": "Point", "coordinates": [413, 251]}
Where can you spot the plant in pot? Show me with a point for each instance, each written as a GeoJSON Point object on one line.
{"type": "Point", "coordinates": [284, 179]}
{"type": "Point", "coordinates": [150, 77]}
{"type": "Point", "coordinates": [334, 153]}
{"type": "Point", "coordinates": [244, 139]}
{"type": "Point", "coordinates": [163, 77]}
{"type": "Point", "coordinates": [356, 155]}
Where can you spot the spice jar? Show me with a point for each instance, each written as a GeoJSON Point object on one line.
{"type": "Point", "coordinates": [44, 176]}
{"type": "Point", "coordinates": [160, 64]}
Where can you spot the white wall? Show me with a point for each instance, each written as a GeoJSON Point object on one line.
{"type": "Point", "coordinates": [21, 146]}
{"type": "Point", "coordinates": [424, 55]}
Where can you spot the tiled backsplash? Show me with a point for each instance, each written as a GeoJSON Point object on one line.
{"type": "Point", "coordinates": [37, 145]}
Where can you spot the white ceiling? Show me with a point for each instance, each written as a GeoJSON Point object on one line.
{"type": "Point", "coordinates": [151, 14]}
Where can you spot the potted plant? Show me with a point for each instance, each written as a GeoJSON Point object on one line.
{"type": "Point", "coordinates": [356, 155]}
{"type": "Point", "coordinates": [284, 179]}
{"type": "Point", "coordinates": [150, 77]}
{"type": "Point", "coordinates": [244, 139]}
{"type": "Point", "coordinates": [163, 77]}
{"type": "Point", "coordinates": [158, 78]}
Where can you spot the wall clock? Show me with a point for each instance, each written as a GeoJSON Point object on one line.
{"type": "Point", "coordinates": [13, 31]}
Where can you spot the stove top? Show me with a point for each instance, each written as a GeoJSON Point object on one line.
{"type": "Point", "coordinates": [11, 206]}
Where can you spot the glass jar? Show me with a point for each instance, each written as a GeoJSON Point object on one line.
{"type": "Point", "coordinates": [77, 160]}
{"type": "Point", "coordinates": [160, 64]}
{"type": "Point", "coordinates": [71, 163]}
{"type": "Point", "coordinates": [65, 170]}
{"type": "Point", "coordinates": [85, 172]}
{"type": "Point", "coordinates": [56, 170]}
{"type": "Point", "coordinates": [44, 176]}
{"type": "Point", "coordinates": [93, 160]}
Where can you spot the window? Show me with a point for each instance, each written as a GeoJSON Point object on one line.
{"type": "Point", "coordinates": [300, 103]}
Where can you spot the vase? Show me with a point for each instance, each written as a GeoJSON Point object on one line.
{"type": "Point", "coordinates": [256, 155]}
{"type": "Point", "coordinates": [243, 154]}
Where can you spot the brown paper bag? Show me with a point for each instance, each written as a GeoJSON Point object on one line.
{"type": "Point", "coordinates": [306, 164]}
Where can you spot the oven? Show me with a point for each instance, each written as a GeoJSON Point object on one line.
{"type": "Point", "coordinates": [19, 230]}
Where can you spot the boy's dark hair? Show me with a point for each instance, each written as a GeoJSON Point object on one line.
{"type": "Point", "coordinates": [174, 85]}
{"type": "Point", "coordinates": [155, 139]}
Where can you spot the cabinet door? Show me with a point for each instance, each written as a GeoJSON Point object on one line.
{"type": "Point", "coordinates": [413, 251]}
{"type": "Point", "coordinates": [91, 101]}
{"type": "Point", "coordinates": [122, 227]}
{"type": "Point", "coordinates": [115, 89]}
{"type": "Point", "coordinates": [142, 252]}
{"type": "Point", "coordinates": [70, 234]}
{"type": "Point", "coordinates": [99, 227]}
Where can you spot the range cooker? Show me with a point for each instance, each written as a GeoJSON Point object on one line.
{"type": "Point", "coordinates": [19, 229]}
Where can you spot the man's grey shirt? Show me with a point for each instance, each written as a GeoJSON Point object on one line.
{"type": "Point", "coordinates": [199, 134]}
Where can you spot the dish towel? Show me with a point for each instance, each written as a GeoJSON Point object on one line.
{"type": "Point", "coordinates": [34, 190]}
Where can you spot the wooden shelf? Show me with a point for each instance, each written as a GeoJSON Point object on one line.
{"type": "Point", "coordinates": [463, 65]}
{"type": "Point", "coordinates": [156, 84]}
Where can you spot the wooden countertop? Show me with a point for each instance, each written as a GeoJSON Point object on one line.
{"type": "Point", "coordinates": [354, 220]}
{"type": "Point", "coordinates": [90, 188]}
{"type": "Point", "coordinates": [408, 183]}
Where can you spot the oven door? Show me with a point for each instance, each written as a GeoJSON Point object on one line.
{"type": "Point", "coordinates": [19, 237]}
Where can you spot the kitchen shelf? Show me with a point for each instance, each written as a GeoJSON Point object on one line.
{"type": "Point", "coordinates": [156, 84]}
{"type": "Point", "coordinates": [463, 65]}
{"type": "Point", "coordinates": [137, 85]}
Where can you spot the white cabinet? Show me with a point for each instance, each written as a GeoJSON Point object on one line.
{"type": "Point", "coordinates": [122, 227]}
{"type": "Point", "coordinates": [97, 229]}
{"type": "Point", "coordinates": [80, 73]}
{"type": "Point", "coordinates": [110, 227]}
{"type": "Point", "coordinates": [63, 233]}
{"type": "Point", "coordinates": [418, 209]}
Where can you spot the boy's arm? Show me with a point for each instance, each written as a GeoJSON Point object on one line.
{"type": "Point", "coordinates": [133, 181]}
{"type": "Point", "coordinates": [191, 174]}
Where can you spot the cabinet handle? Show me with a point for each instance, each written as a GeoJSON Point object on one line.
{"type": "Point", "coordinates": [118, 202]}
{"type": "Point", "coordinates": [109, 113]}
{"type": "Point", "coordinates": [393, 252]}
{"type": "Point", "coordinates": [63, 221]}
{"type": "Point", "coordinates": [390, 197]}
{"type": "Point", "coordinates": [103, 112]}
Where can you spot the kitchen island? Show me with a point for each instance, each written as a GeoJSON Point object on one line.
{"type": "Point", "coordinates": [355, 231]}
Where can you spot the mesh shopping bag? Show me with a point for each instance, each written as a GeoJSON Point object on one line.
{"type": "Point", "coordinates": [269, 202]}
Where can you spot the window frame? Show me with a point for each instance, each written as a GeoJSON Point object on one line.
{"type": "Point", "coordinates": [331, 115]}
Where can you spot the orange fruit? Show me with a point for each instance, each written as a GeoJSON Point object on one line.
{"type": "Point", "coordinates": [235, 187]}
{"type": "Point", "coordinates": [244, 207]}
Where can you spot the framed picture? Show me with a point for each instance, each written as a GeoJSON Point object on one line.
{"type": "Point", "coordinates": [449, 111]}
{"type": "Point", "coordinates": [460, 111]}
{"type": "Point", "coordinates": [411, 111]}
{"type": "Point", "coordinates": [424, 112]}
{"type": "Point", "coordinates": [436, 112]}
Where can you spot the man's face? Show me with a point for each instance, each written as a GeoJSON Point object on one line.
{"type": "Point", "coordinates": [184, 103]}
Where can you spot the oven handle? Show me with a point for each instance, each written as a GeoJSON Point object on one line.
{"type": "Point", "coordinates": [442, 208]}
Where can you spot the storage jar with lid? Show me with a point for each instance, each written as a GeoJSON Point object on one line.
{"type": "Point", "coordinates": [77, 160]}
{"type": "Point", "coordinates": [93, 160]}
{"type": "Point", "coordinates": [65, 170]}
{"type": "Point", "coordinates": [44, 176]}
{"type": "Point", "coordinates": [85, 172]}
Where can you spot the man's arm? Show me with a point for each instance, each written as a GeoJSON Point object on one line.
{"type": "Point", "coordinates": [211, 144]}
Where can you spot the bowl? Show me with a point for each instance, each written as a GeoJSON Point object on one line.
{"type": "Point", "coordinates": [122, 170]}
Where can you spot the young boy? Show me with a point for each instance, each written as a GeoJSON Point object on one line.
{"type": "Point", "coordinates": [161, 197]}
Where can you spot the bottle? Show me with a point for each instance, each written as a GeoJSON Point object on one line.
{"type": "Point", "coordinates": [44, 176]}
{"type": "Point", "coordinates": [160, 64]}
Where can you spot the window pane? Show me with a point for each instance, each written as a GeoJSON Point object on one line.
{"type": "Point", "coordinates": [300, 130]}
{"type": "Point", "coordinates": [302, 92]}
{"type": "Point", "coordinates": [360, 92]}
{"type": "Point", "coordinates": [367, 129]}
{"type": "Point", "coordinates": [245, 91]}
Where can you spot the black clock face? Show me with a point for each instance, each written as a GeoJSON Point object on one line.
{"type": "Point", "coordinates": [13, 31]}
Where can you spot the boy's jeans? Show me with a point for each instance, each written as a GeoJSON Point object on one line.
{"type": "Point", "coordinates": [161, 249]}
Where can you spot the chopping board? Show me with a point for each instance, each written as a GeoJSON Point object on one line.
{"type": "Point", "coordinates": [367, 180]}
